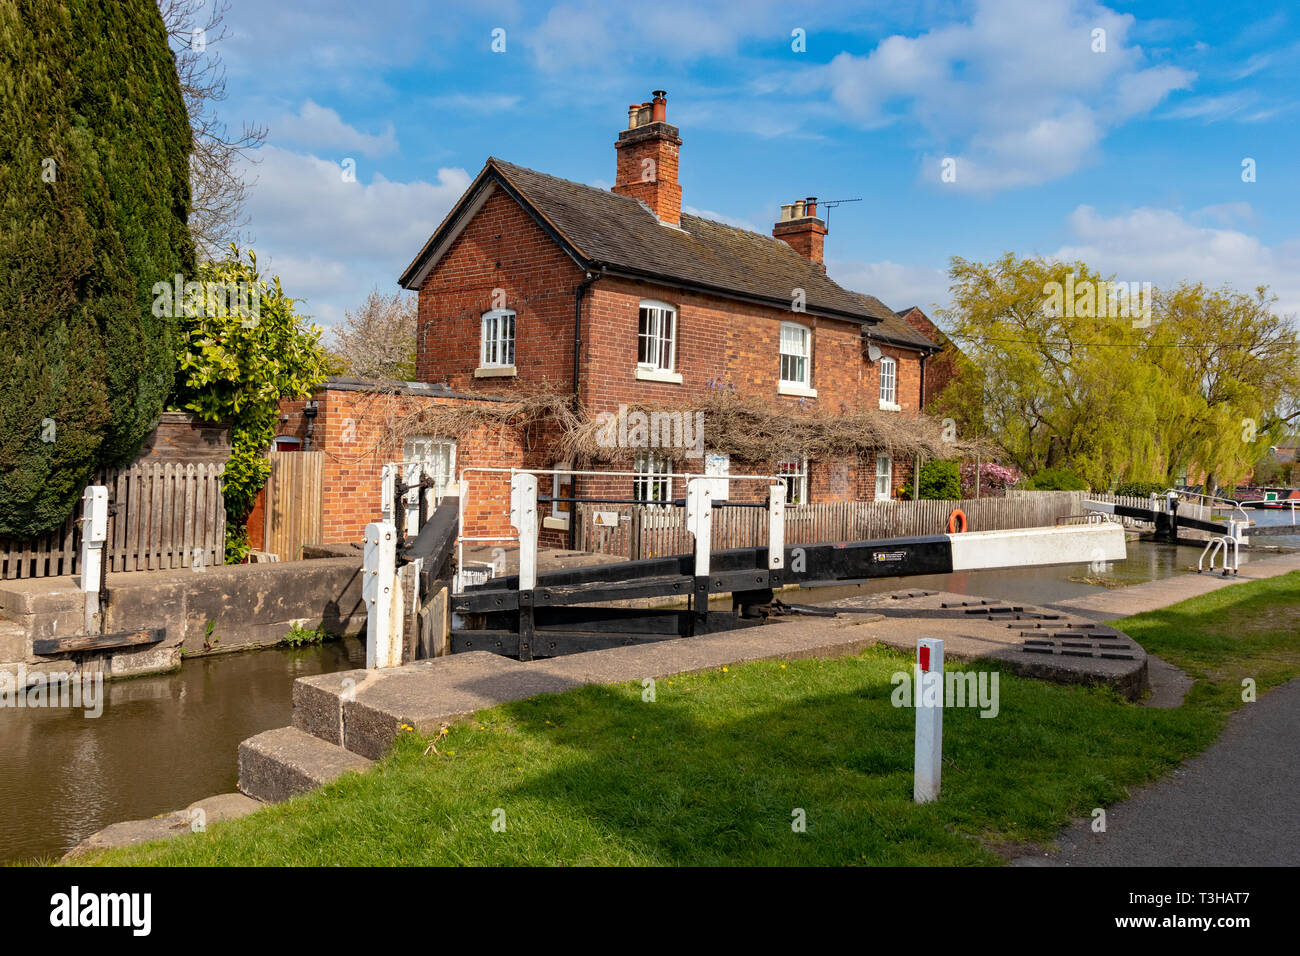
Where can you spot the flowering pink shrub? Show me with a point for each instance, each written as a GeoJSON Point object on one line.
{"type": "Point", "coordinates": [994, 479]}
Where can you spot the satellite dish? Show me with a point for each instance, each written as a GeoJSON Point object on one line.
{"type": "Point", "coordinates": [873, 352]}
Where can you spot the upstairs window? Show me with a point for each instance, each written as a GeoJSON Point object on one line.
{"type": "Point", "coordinates": [657, 336]}
{"type": "Point", "coordinates": [888, 383]}
{"type": "Point", "coordinates": [796, 351]}
{"type": "Point", "coordinates": [498, 350]}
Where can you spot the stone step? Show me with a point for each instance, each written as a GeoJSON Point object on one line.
{"type": "Point", "coordinates": [364, 711]}
{"type": "Point", "coordinates": [282, 763]}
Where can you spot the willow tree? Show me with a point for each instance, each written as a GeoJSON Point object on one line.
{"type": "Point", "coordinates": [1234, 365]}
{"type": "Point", "coordinates": [93, 202]}
{"type": "Point", "coordinates": [1058, 384]}
{"type": "Point", "coordinates": [1136, 387]}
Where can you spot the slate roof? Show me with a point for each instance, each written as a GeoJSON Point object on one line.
{"type": "Point", "coordinates": [894, 328]}
{"type": "Point", "coordinates": [599, 227]}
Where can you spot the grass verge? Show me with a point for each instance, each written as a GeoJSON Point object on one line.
{"type": "Point", "coordinates": [716, 769]}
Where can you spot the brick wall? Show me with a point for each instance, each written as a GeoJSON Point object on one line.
{"type": "Point", "coordinates": [941, 368]}
{"type": "Point", "coordinates": [502, 259]}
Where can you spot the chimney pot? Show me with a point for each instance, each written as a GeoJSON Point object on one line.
{"type": "Point", "coordinates": [787, 211]}
{"type": "Point", "coordinates": [660, 106]}
{"type": "Point", "coordinates": [632, 110]}
{"type": "Point", "coordinates": [798, 209]}
{"type": "Point", "coordinates": [810, 209]}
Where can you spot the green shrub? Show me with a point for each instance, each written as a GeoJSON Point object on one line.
{"type": "Point", "coordinates": [94, 194]}
{"type": "Point", "coordinates": [236, 366]}
{"type": "Point", "coordinates": [299, 636]}
{"type": "Point", "coordinates": [940, 481]}
{"type": "Point", "coordinates": [1056, 479]}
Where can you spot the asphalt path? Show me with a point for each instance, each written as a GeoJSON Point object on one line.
{"type": "Point", "coordinates": [1237, 804]}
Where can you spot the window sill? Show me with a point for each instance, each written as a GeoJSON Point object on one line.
{"type": "Point", "coordinates": [890, 406]}
{"type": "Point", "coordinates": [790, 388]}
{"type": "Point", "coordinates": [658, 375]}
{"type": "Point", "coordinates": [495, 371]}
{"type": "Point", "coordinates": [559, 524]}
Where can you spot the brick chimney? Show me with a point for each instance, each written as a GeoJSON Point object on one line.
{"type": "Point", "coordinates": [647, 160]}
{"type": "Point", "coordinates": [801, 228]}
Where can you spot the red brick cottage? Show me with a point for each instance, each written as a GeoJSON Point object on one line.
{"type": "Point", "coordinates": [538, 285]}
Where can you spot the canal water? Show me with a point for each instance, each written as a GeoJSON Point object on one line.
{"type": "Point", "coordinates": [160, 744]}
{"type": "Point", "coordinates": [163, 742]}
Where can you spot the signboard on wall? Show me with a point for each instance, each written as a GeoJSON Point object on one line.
{"type": "Point", "coordinates": [718, 463]}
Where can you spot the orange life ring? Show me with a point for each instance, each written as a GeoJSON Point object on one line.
{"type": "Point", "coordinates": [957, 513]}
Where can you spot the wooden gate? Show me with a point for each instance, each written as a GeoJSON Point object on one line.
{"type": "Point", "coordinates": [293, 503]}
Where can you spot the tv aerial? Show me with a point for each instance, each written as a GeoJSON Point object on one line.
{"type": "Point", "coordinates": [831, 204]}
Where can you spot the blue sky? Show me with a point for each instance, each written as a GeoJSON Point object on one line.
{"type": "Point", "coordinates": [1129, 157]}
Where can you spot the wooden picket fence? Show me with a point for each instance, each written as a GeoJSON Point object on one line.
{"type": "Point", "coordinates": [648, 531]}
{"type": "Point", "coordinates": [168, 515]}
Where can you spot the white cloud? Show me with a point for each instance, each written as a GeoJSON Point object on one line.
{"type": "Point", "coordinates": [1016, 94]}
{"type": "Point", "coordinates": [332, 241]}
{"type": "Point", "coordinates": [1164, 247]}
{"type": "Point", "coordinates": [320, 127]}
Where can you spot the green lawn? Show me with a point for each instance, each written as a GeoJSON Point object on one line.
{"type": "Point", "coordinates": [713, 771]}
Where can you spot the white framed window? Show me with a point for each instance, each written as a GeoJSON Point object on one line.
{"type": "Point", "coordinates": [795, 474]}
{"type": "Point", "coordinates": [796, 354]}
{"type": "Point", "coordinates": [884, 477]}
{"type": "Point", "coordinates": [889, 383]}
{"type": "Point", "coordinates": [498, 342]}
{"type": "Point", "coordinates": [653, 482]}
{"type": "Point", "coordinates": [438, 458]}
{"type": "Point", "coordinates": [656, 336]}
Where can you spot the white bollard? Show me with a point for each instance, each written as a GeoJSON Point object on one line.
{"type": "Point", "coordinates": [94, 532]}
{"type": "Point", "coordinates": [379, 577]}
{"type": "Point", "coordinates": [928, 702]}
